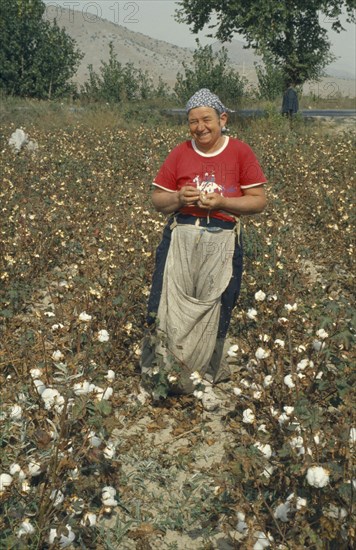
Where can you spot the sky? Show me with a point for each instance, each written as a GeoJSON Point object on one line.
{"type": "Point", "coordinates": [155, 18]}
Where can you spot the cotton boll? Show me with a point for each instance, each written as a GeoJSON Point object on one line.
{"type": "Point", "coordinates": [232, 351]}
{"type": "Point", "coordinates": [26, 528]}
{"type": "Point", "coordinates": [15, 412]}
{"type": "Point", "coordinates": [252, 314]}
{"type": "Point", "coordinates": [57, 356]}
{"type": "Point", "coordinates": [110, 375]}
{"type": "Point", "coordinates": [34, 469]}
{"type": "Point", "coordinates": [316, 438]}
{"type": "Point", "coordinates": [241, 526]}
{"type": "Point", "coordinates": [248, 416]}
{"type": "Point", "coordinates": [262, 428]}
{"type": "Point", "coordinates": [108, 497]}
{"type": "Point", "coordinates": [67, 539]}
{"type": "Point", "coordinates": [57, 326]}
{"type": "Point", "coordinates": [36, 373]}
{"type": "Point", "coordinates": [52, 536]}
{"type": "Point", "coordinates": [300, 348]}
{"type": "Point", "coordinates": [5, 481]}
{"type": "Point", "coordinates": [51, 397]}
{"type": "Point", "coordinates": [266, 449]}
{"type": "Point", "coordinates": [283, 418]}
{"type": "Point", "coordinates": [82, 388]}
{"type": "Point", "coordinates": [109, 451]}
{"type": "Point", "coordinates": [57, 497]}
{"type": "Point", "coordinates": [103, 336]}
{"type": "Point", "coordinates": [280, 343]}
{"type": "Point", "coordinates": [262, 353]}
{"type": "Point", "coordinates": [94, 440]}
{"type": "Point", "coordinates": [260, 296]}
{"type": "Point", "coordinates": [321, 333]}
{"type": "Point", "coordinates": [14, 469]}
{"type": "Point", "coordinates": [335, 512]}
{"type": "Point", "coordinates": [282, 320]}
{"type": "Point", "coordinates": [288, 380]}
{"type": "Point", "coordinates": [89, 519]}
{"type": "Point", "coordinates": [84, 317]}
{"type": "Point", "coordinates": [288, 410]}
{"type": "Point", "coordinates": [282, 510]}
{"type": "Point", "coordinates": [317, 345]}
{"type": "Point", "coordinates": [40, 387]}
{"type": "Point", "coordinates": [291, 499]}
{"type": "Point", "coordinates": [317, 476]}
{"type": "Point", "coordinates": [304, 363]}
{"type": "Point", "coordinates": [268, 471]}
{"type": "Point", "coordinates": [296, 442]}
{"type": "Point", "coordinates": [196, 378]}
{"type": "Point", "coordinates": [105, 395]}
{"type": "Point", "coordinates": [262, 541]}
{"type": "Point", "coordinates": [237, 391]}
{"type": "Point", "coordinates": [290, 307]}
{"type": "Point", "coordinates": [267, 380]}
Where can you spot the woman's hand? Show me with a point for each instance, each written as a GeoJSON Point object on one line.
{"type": "Point", "coordinates": [211, 201]}
{"type": "Point", "coordinates": [188, 195]}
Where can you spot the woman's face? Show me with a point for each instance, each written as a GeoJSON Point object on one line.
{"type": "Point", "coordinates": [205, 127]}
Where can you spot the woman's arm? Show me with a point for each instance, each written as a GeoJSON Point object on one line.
{"type": "Point", "coordinates": [168, 201]}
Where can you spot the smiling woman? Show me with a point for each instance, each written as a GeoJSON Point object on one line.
{"type": "Point", "coordinates": [205, 184]}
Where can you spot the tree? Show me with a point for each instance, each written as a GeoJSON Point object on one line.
{"type": "Point", "coordinates": [270, 79]}
{"type": "Point", "coordinates": [116, 82]}
{"type": "Point", "coordinates": [289, 31]}
{"type": "Point", "coordinates": [37, 59]}
{"type": "Point", "coordinates": [210, 70]}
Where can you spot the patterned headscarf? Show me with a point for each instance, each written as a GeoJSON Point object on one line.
{"type": "Point", "coordinates": [205, 98]}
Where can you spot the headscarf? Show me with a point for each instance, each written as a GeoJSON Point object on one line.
{"type": "Point", "coordinates": [205, 98]}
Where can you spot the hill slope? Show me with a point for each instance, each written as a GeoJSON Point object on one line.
{"type": "Point", "coordinates": [160, 58]}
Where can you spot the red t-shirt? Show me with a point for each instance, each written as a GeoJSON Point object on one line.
{"type": "Point", "coordinates": [228, 171]}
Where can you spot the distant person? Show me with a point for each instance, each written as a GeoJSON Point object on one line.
{"type": "Point", "coordinates": [290, 104]}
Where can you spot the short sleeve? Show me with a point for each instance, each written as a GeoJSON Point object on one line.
{"type": "Point", "coordinates": [251, 174]}
{"type": "Point", "coordinates": [166, 177]}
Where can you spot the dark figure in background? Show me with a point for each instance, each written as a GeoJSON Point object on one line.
{"type": "Point", "coordinates": [290, 104]}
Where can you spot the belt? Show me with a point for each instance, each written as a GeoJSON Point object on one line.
{"type": "Point", "coordinates": [202, 222]}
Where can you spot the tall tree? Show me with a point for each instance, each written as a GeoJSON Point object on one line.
{"type": "Point", "coordinates": [37, 58]}
{"type": "Point", "coordinates": [291, 31]}
{"type": "Point", "coordinates": [210, 70]}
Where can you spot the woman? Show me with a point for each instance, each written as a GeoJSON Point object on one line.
{"type": "Point", "coordinates": [204, 185]}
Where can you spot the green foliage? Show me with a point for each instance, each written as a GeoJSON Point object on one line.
{"type": "Point", "coordinates": [292, 32]}
{"type": "Point", "coordinates": [210, 70]}
{"type": "Point", "coordinates": [37, 59]}
{"type": "Point", "coordinates": [270, 80]}
{"type": "Point", "coordinates": [116, 82]}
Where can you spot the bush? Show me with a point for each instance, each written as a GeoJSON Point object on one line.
{"type": "Point", "coordinates": [116, 82]}
{"type": "Point", "coordinates": [210, 70]}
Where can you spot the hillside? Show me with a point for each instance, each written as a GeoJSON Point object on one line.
{"type": "Point", "coordinates": [163, 59]}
